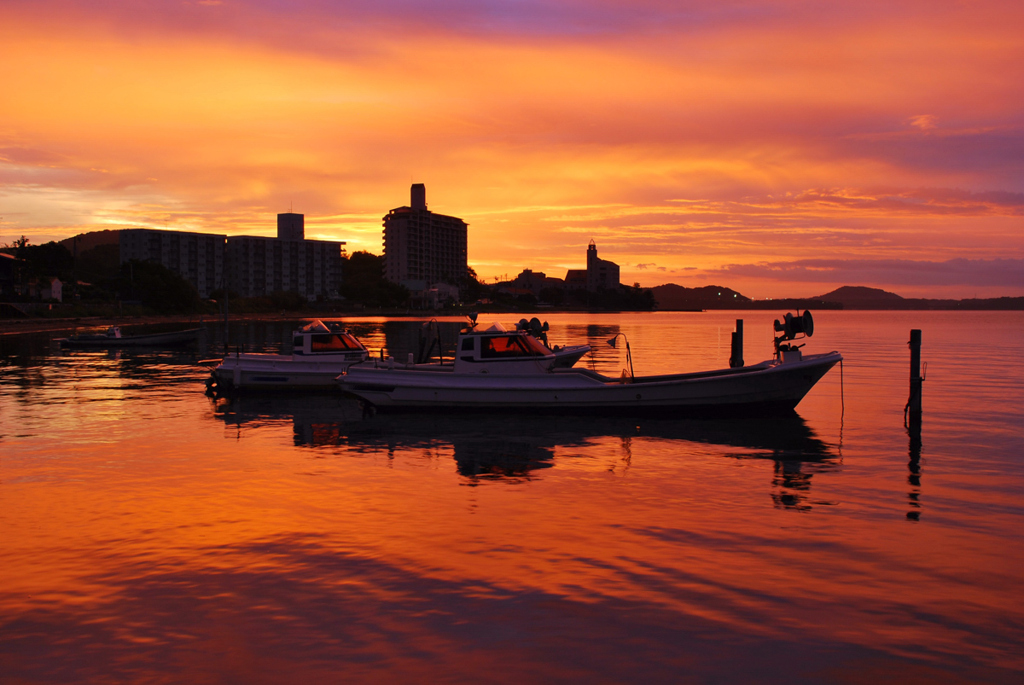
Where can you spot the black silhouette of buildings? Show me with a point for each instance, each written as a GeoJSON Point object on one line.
{"type": "Point", "coordinates": [259, 266]}
{"type": "Point", "coordinates": [600, 274]}
{"type": "Point", "coordinates": [196, 257]}
{"type": "Point", "coordinates": [249, 265]}
{"type": "Point", "coordinates": [422, 248]}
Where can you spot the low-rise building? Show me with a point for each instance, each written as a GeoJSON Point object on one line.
{"type": "Point", "coordinates": [536, 281]}
{"type": "Point", "coordinates": [54, 290]}
{"type": "Point", "coordinates": [7, 269]}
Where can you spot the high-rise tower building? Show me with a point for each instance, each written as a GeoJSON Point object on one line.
{"type": "Point", "coordinates": [422, 248]}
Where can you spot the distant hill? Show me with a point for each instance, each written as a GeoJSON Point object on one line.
{"type": "Point", "coordinates": [676, 297]}
{"type": "Point", "coordinates": [91, 240]}
{"type": "Point", "coordinates": [860, 297]}
{"type": "Point", "coordinates": [672, 297]}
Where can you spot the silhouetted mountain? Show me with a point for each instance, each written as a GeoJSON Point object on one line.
{"type": "Point", "coordinates": [675, 297]}
{"type": "Point", "coordinates": [672, 297]}
{"type": "Point", "coordinates": [856, 297]}
{"type": "Point", "coordinates": [91, 240]}
{"type": "Point", "coordinates": [859, 297]}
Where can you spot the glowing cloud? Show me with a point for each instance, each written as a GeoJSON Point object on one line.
{"type": "Point", "coordinates": [687, 135]}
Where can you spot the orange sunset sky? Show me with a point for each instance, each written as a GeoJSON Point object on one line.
{"type": "Point", "coordinates": [781, 148]}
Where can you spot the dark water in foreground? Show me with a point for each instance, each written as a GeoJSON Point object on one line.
{"type": "Point", "coordinates": [151, 534]}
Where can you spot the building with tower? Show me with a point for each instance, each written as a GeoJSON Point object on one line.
{"type": "Point", "coordinates": [601, 274]}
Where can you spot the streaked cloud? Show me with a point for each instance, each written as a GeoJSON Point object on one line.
{"type": "Point", "coordinates": [685, 135]}
{"type": "Point", "coordinates": [924, 122]}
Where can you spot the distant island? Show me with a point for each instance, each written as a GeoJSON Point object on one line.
{"type": "Point", "coordinates": [672, 297]}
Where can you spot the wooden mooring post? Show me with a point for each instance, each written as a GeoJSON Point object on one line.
{"type": "Point", "coordinates": [736, 352]}
{"type": "Point", "coordinates": [912, 420]}
{"type": "Point", "coordinates": [913, 409]}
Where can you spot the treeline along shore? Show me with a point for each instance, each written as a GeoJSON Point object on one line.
{"type": "Point", "coordinates": [93, 287]}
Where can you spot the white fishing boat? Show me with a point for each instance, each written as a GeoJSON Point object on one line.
{"type": "Point", "coordinates": [113, 337]}
{"type": "Point", "coordinates": [500, 370]}
{"type": "Point", "coordinates": [320, 351]}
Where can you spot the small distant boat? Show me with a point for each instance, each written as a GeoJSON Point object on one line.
{"type": "Point", "coordinates": [114, 338]}
{"type": "Point", "coordinates": [321, 351]}
{"type": "Point", "coordinates": [499, 370]}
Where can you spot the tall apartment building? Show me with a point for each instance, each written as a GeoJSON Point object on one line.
{"type": "Point", "coordinates": [260, 266]}
{"type": "Point", "coordinates": [422, 248]}
{"type": "Point", "coordinates": [196, 257]}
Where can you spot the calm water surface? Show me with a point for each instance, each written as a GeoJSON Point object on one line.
{"type": "Point", "coordinates": [150, 533]}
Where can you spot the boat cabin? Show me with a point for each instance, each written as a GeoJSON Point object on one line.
{"type": "Point", "coordinates": [320, 339]}
{"type": "Point", "coordinates": [497, 350]}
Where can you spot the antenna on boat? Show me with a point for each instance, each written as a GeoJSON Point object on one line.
{"type": "Point", "coordinates": [629, 354]}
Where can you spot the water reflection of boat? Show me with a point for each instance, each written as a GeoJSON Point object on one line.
{"type": "Point", "coordinates": [501, 446]}
{"type": "Point", "coordinates": [499, 370]}
{"type": "Point", "coordinates": [113, 337]}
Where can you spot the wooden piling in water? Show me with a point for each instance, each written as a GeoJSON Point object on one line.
{"type": "Point", "coordinates": [912, 420]}
{"type": "Point", "coordinates": [736, 352]}
{"type": "Point", "coordinates": [916, 380]}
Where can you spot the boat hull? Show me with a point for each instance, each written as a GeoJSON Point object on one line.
{"type": "Point", "coordinates": [150, 340]}
{"type": "Point", "coordinates": [279, 372]}
{"type": "Point", "coordinates": [770, 387]}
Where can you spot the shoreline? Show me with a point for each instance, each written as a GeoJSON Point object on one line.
{"type": "Point", "coordinates": [31, 326]}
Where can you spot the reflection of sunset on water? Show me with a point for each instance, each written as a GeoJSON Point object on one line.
{"type": "Point", "coordinates": [166, 524]}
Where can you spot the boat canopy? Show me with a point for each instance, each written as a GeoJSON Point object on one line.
{"type": "Point", "coordinates": [325, 338]}
{"type": "Point", "coordinates": [518, 345]}
{"type": "Point", "coordinates": [317, 326]}
{"type": "Point", "coordinates": [335, 342]}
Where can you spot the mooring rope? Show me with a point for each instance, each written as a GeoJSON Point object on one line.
{"type": "Point", "coordinates": [842, 390]}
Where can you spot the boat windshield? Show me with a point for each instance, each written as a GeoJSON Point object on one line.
{"type": "Point", "coordinates": [511, 346]}
{"type": "Point", "coordinates": [334, 342]}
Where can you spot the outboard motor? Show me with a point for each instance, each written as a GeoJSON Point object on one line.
{"type": "Point", "coordinates": [792, 327]}
{"type": "Point", "coordinates": [535, 328]}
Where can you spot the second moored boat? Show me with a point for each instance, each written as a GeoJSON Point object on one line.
{"type": "Point", "coordinates": [500, 370]}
